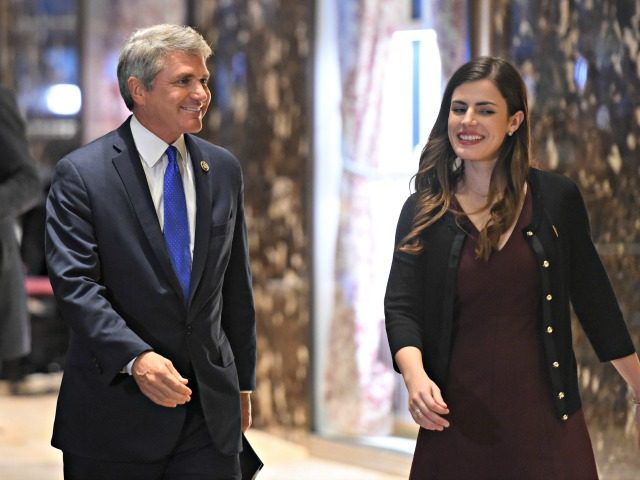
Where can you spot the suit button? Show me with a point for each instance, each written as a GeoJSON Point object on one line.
{"type": "Point", "coordinates": [555, 364]}
{"type": "Point", "coordinates": [548, 297]}
{"type": "Point", "coordinates": [561, 395]}
{"type": "Point", "coordinates": [545, 264]}
{"type": "Point", "coordinates": [549, 329]}
{"type": "Point", "coordinates": [188, 329]}
{"type": "Point", "coordinates": [565, 417]}
{"type": "Point", "coordinates": [529, 233]}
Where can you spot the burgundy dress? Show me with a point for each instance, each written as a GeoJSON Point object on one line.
{"type": "Point", "coordinates": [503, 423]}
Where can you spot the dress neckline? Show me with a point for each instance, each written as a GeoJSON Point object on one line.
{"type": "Point", "coordinates": [474, 232]}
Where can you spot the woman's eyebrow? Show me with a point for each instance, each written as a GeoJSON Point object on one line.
{"type": "Point", "coordinates": [481, 104]}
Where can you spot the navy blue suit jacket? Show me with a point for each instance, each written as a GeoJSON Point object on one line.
{"type": "Point", "coordinates": [116, 288]}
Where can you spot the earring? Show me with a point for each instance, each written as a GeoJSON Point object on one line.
{"type": "Point", "coordinates": [510, 133]}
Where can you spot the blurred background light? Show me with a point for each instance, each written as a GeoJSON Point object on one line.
{"type": "Point", "coordinates": [581, 73]}
{"type": "Point", "coordinates": [63, 99]}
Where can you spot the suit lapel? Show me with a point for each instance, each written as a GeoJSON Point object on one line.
{"type": "Point", "coordinates": [127, 163]}
{"type": "Point", "coordinates": [204, 208]}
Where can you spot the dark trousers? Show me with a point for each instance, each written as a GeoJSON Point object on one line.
{"type": "Point", "coordinates": [194, 458]}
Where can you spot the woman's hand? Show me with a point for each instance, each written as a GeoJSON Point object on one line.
{"type": "Point", "coordinates": [425, 402]}
{"type": "Point", "coordinates": [629, 369]}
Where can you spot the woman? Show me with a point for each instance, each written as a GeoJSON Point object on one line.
{"type": "Point", "coordinates": [491, 252]}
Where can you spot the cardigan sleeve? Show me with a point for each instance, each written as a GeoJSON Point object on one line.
{"type": "Point", "coordinates": [592, 295]}
{"type": "Point", "coordinates": [403, 298]}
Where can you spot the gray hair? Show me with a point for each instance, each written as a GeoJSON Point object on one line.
{"type": "Point", "coordinates": [144, 53]}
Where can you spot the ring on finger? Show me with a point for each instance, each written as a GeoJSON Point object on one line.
{"type": "Point", "coordinates": [417, 412]}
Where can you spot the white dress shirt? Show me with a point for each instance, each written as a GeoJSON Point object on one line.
{"type": "Point", "coordinates": [154, 161]}
{"type": "Point", "coordinates": [153, 157]}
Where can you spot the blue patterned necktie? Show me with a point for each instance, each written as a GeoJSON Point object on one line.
{"type": "Point", "coordinates": [176, 223]}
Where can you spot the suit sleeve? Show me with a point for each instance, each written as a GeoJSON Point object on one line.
{"type": "Point", "coordinates": [238, 312]}
{"type": "Point", "coordinates": [74, 269]}
{"type": "Point", "coordinates": [19, 184]}
{"type": "Point", "coordinates": [592, 295]}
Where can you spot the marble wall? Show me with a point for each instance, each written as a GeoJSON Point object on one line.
{"type": "Point", "coordinates": [580, 61]}
{"type": "Point", "coordinates": [260, 111]}
{"type": "Point", "coordinates": [7, 49]}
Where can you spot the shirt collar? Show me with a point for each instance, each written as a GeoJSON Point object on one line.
{"type": "Point", "coordinates": [150, 147]}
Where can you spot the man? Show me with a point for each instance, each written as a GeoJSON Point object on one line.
{"type": "Point", "coordinates": [147, 254]}
{"type": "Point", "coordinates": [19, 192]}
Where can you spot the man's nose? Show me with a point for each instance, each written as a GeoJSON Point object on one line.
{"type": "Point", "coordinates": [201, 91]}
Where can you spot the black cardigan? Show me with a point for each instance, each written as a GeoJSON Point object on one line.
{"type": "Point", "coordinates": [421, 291]}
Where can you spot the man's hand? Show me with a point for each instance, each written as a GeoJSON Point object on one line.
{"type": "Point", "coordinates": [160, 381]}
{"type": "Point", "coordinates": [245, 404]}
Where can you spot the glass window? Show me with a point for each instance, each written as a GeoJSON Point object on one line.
{"type": "Point", "coordinates": [379, 77]}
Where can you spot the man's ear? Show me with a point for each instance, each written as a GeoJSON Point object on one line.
{"type": "Point", "coordinates": [137, 90]}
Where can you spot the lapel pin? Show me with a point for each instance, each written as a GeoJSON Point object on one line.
{"type": "Point", "coordinates": [204, 166]}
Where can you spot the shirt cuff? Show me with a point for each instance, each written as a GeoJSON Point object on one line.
{"type": "Point", "coordinates": [128, 368]}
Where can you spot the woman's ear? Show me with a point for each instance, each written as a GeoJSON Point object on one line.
{"type": "Point", "coordinates": [515, 121]}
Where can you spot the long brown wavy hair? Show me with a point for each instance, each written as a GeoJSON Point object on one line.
{"type": "Point", "coordinates": [440, 170]}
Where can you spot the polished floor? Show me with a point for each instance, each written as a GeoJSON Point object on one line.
{"type": "Point", "coordinates": [25, 453]}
